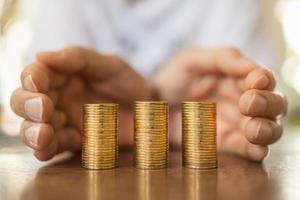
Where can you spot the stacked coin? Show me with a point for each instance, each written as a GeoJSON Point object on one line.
{"type": "Point", "coordinates": [99, 138]}
{"type": "Point", "coordinates": [151, 140]}
{"type": "Point", "coordinates": [199, 135]}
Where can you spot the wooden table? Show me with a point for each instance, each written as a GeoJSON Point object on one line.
{"type": "Point", "coordinates": [23, 177]}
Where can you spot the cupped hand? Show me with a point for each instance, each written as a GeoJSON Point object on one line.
{"type": "Point", "coordinates": [55, 87]}
{"type": "Point", "coordinates": [248, 109]}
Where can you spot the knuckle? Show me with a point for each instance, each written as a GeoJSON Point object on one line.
{"type": "Point", "coordinates": [267, 72]}
{"type": "Point", "coordinates": [184, 53]}
{"type": "Point", "coordinates": [187, 53]}
{"type": "Point", "coordinates": [264, 70]}
{"type": "Point", "coordinates": [118, 61]}
{"type": "Point", "coordinates": [76, 55]}
{"type": "Point", "coordinates": [232, 51]}
{"type": "Point", "coordinates": [73, 50]}
{"type": "Point", "coordinates": [184, 57]}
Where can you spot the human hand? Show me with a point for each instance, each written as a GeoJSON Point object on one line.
{"type": "Point", "coordinates": [248, 108]}
{"type": "Point", "coordinates": [55, 87]}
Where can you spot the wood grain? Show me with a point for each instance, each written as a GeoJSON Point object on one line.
{"type": "Point", "coordinates": [23, 177]}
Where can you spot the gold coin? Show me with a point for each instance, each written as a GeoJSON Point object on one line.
{"type": "Point", "coordinates": [99, 139]}
{"type": "Point", "coordinates": [199, 135]}
{"type": "Point", "coordinates": [151, 121]}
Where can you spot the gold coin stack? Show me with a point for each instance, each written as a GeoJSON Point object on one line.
{"type": "Point", "coordinates": [99, 139]}
{"type": "Point", "coordinates": [151, 134]}
{"type": "Point", "coordinates": [199, 135]}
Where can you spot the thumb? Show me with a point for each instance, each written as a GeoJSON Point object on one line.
{"type": "Point", "coordinates": [89, 63]}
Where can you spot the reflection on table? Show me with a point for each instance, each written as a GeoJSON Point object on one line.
{"type": "Point", "coordinates": [22, 177]}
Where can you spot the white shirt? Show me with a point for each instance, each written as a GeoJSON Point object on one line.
{"type": "Point", "coordinates": [148, 33]}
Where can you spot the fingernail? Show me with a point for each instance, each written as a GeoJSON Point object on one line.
{"type": "Point", "coordinates": [245, 61]}
{"type": "Point", "coordinates": [32, 134]}
{"type": "Point", "coordinates": [29, 84]}
{"type": "Point", "coordinates": [264, 132]}
{"type": "Point", "coordinates": [34, 108]}
{"type": "Point", "coordinates": [257, 104]}
{"type": "Point", "coordinates": [261, 82]}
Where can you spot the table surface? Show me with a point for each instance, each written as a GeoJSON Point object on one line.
{"type": "Point", "coordinates": [23, 177]}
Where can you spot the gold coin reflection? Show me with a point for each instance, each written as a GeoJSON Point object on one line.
{"type": "Point", "coordinates": [200, 184]}
{"type": "Point", "coordinates": [152, 184]}
{"type": "Point", "coordinates": [98, 183]}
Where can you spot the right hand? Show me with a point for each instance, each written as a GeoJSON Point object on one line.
{"type": "Point", "coordinates": [55, 87]}
{"type": "Point", "coordinates": [249, 111]}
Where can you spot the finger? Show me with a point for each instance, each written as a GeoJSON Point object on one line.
{"type": "Point", "coordinates": [223, 126]}
{"type": "Point", "coordinates": [263, 131]}
{"type": "Point", "coordinates": [243, 122]}
{"type": "Point", "coordinates": [262, 103]}
{"type": "Point", "coordinates": [74, 114]}
{"type": "Point", "coordinates": [228, 89]}
{"type": "Point", "coordinates": [37, 107]}
{"type": "Point", "coordinates": [230, 112]}
{"type": "Point", "coordinates": [59, 119]}
{"type": "Point", "coordinates": [175, 124]}
{"type": "Point", "coordinates": [228, 61]}
{"type": "Point", "coordinates": [37, 77]}
{"type": "Point", "coordinates": [36, 135]}
{"type": "Point", "coordinates": [241, 85]}
{"type": "Point", "coordinates": [64, 140]}
{"type": "Point", "coordinates": [261, 78]}
{"type": "Point", "coordinates": [68, 139]}
{"type": "Point", "coordinates": [88, 62]}
{"type": "Point", "coordinates": [49, 152]}
{"type": "Point", "coordinates": [74, 88]}
{"type": "Point", "coordinates": [201, 88]}
{"type": "Point", "coordinates": [53, 94]}
{"type": "Point", "coordinates": [237, 144]}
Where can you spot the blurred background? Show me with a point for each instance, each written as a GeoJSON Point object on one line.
{"type": "Point", "coordinates": [17, 34]}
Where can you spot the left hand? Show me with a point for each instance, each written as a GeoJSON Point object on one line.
{"type": "Point", "coordinates": [55, 87]}
{"type": "Point", "coordinates": [248, 108]}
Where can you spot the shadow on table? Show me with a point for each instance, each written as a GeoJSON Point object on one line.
{"type": "Point", "coordinates": [234, 179]}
